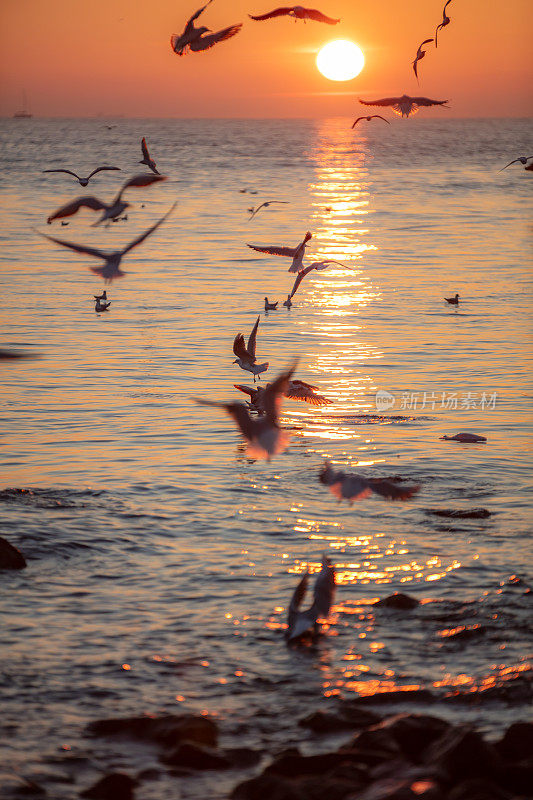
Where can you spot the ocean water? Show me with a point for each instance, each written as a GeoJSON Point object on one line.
{"type": "Point", "coordinates": [161, 559]}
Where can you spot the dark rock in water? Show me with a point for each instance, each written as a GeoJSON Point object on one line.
{"type": "Point", "coordinates": [349, 717]}
{"type": "Point", "coordinates": [413, 733]}
{"type": "Point", "coordinates": [397, 789]}
{"type": "Point", "coordinates": [10, 557]}
{"type": "Point", "coordinates": [378, 739]}
{"type": "Point", "coordinates": [462, 753]}
{"type": "Point", "coordinates": [242, 756]}
{"type": "Point", "coordinates": [463, 633]}
{"type": "Point", "coordinates": [293, 766]}
{"type": "Point", "coordinates": [460, 513]}
{"type": "Point", "coordinates": [115, 786]}
{"type": "Point", "coordinates": [268, 787]}
{"type": "Point", "coordinates": [169, 730]}
{"type": "Point", "coordinates": [517, 742]}
{"type": "Point", "coordinates": [478, 789]}
{"type": "Point", "coordinates": [518, 777]}
{"type": "Point", "coordinates": [191, 756]}
{"type": "Point", "coordinates": [12, 785]}
{"type": "Point", "coordinates": [398, 600]}
{"type": "Point", "coordinates": [406, 695]}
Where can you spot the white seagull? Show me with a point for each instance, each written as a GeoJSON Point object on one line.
{"type": "Point", "coordinates": [246, 353]}
{"type": "Point", "coordinates": [112, 258]}
{"type": "Point", "coordinates": [296, 253]}
{"type": "Point", "coordinates": [82, 181]}
{"type": "Point", "coordinates": [350, 486]}
{"type": "Point", "coordinates": [264, 436]}
{"type": "Point", "coordinates": [300, 622]}
{"type": "Point", "coordinates": [296, 390]}
{"type": "Point", "coordinates": [404, 105]}
{"type": "Point", "coordinates": [318, 265]}
{"type": "Point", "coordinates": [194, 38]}
{"type": "Point", "coordinates": [146, 159]}
{"type": "Point", "coordinates": [111, 210]}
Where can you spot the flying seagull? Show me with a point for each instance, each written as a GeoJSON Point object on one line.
{"type": "Point", "coordinates": [264, 436]}
{"type": "Point", "coordinates": [453, 301]}
{"type": "Point", "coordinates": [372, 116]}
{"type": "Point", "coordinates": [112, 258]}
{"type": "Point", "coordinates": [404, 105]}
{"type": "Point", "coordinates": [253, 211]}
{"type": "Point", "coordinates": [111, 210]}
{"type": "Point", "coordinates": [466, 438]}
{"type": "Point", "coordinates": [296, 253]}
{"type": "Point", "coordinates": [296, 390]}
{"type": "Point", "coordinates": [146, 157]}
{"type": "Point", "coordinates": [350, 486]}
{"type": "Point", "coordinates": [246, 353]}
{"type": "Point", "coordinates": [522, 159]}
{"type": "Point", "coordinates": [194, 38]}
{"type": "Point", "coordinates": [299, 622]}
{"type": "Point", "coordinates": [318, 265]}
{"type": "Point", "coordinates": [420, 55]}
{"type": "Point", "coordinates": [298, 12]}
{"type": "Point", "coordinates": [82, 181]}
{"type": "Point", "coordinates": [445, 21]}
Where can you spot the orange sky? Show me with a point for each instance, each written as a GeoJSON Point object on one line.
{"type": "Point", "coordinates": [113, 57]}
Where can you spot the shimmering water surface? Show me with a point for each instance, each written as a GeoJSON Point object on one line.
{"type": "Point", "coordinates": [160, 559]}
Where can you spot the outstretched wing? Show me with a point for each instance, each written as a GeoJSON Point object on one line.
{"type": "Point", "coordinates": [426, 41]}
{"type": "Point", "coordinates": [312, 13]}
{"type": "Point", "coordinates": [275, 391]}
{"type": "Point", "coordinates": [239, 348]}
{"type": "Point", "coordinates": [299, 278]}
{"type": "Point", "coordinates": [249, 390]}
{"type": "Point", "coordinates": [63, 170]}
{"type": "Point", "coordinates": [253, 337]}
{"type": "Point", "coordinates": [145, 179]}
{"type": "Point", "coordinates": [324, 590]}
{"type": "Point", "coordinates": [385, 101]}
{"type": "Point", "coordinates": [78, 248]}
{"type": "Point", "coordinates": [195, 16]}
{"type": "Point", "coordinates": [289, 252]}
{"type": "Point", "coordinates": [390, 491]}
{"type": "Point", "coordinates": [206, 42]}
{"type": "Point", "coordinates": [425, 101]}
{"type": "Point", "coordinates": [511, 162]}
{"type": "Point", "coordinates": [147, 233]}
{"type": "Point", "coordinates": [71, 208]}
{"type": "Point", "coordinates": [278, 12]}
{"type": "Point", "coordinates": [100, 169]}
{"type": "Point", "coordinates": [144, 148]}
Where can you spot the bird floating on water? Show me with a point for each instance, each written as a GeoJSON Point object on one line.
{"type": "Point", "coordinates": [298, 12]}
{"type": "Point", "coordinates": [288, 302]}
{"type": "Point", "coordinates": [420, 55]}
{"type": "Point", "coordinates": [453, 301]}
{"type": "Point", "coordinates": [522, 159]}
{"type": "Point", "coordinates": [270, 306]}
{"type": "Point", "coordinates": [300, 622]}
{"type": "Point", "coordinates": [253, 211]}
{"type": "Point", "coordinates": [445, 21]}
{"type": "Point", "coordinates": [83, 181]}
{"type": "Point", "coordinates": [111, 210]}
{"type": "Point", "coordinates": [147, 159]}
{"type": "Point", "coordinates": [372, 116]}
{"type": "Point", "coordinates": [264, 435]}
{"type": "Point", "coordinates": [466, 438]}
{"type": "Point", "coordinates": [246, 353]}
{"type": "Point", "coordinates": [404, 105]}
{"type": "Point", "coordinates": [112, 258]}
{"type": "Point", "coordinates": [194, 39]}
{"type": "Point", "coordinates": [318, 265]}
{"type": "Point", "coordinates": [351, 486]}
{"type": "Point", "coordinates": [296, 253]}
{"type": "Point", "coordinates": [102, 296]}
{"type": "Point", "coordinates": [99, 306]}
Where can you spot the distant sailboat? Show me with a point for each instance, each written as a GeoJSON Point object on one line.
{"type": "Point", "coordinates": [24, 113]}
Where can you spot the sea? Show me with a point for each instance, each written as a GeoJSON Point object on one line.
{"type": "Point", "coordinates": [161, 559]}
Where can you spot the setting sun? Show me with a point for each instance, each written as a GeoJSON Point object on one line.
{"type": "Point", "coordinates": [340, 60]}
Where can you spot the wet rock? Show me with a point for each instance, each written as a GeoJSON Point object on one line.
{"type": "Point", "coordinates": [413, 733]}
{"type": "Point", "coordinates": [10, 557]}
{"type": "Point", "coordinates": [242, 756]}
{"type": "Point", "coordinates": [463, 633]}
{"type": "Point", "coordinates": [169, 730]}
{"type": "Point", "coordinates": [15, 786]}
{"type": "Point", "coordinates": [192, 756]}
{"type": "Point", "coordinates": [460, 513]}
{"type": "Point", "coordinates": [293, 766]}
{"type": "Point", "coordinates": [517, 777]}
{"type": "Point", "coordinates": [517, 742]}
{"type": "Point", "coordinates": [478, 789]}
{"type": "Point", "coordinates": [376, 739]}
{"type": "Point", "coordinates": [462, 753]}
{"type": "Point", "coordinates": [398, 600]}
{"type": "Point", "coordinates": [405, 695]}
{"type": "Point", "coordinates": [267, 787]}
{"type": "Point", "coordinates": [116, 786]}
{"type": "Point", "coordinates": [395, 789]}
{"type": "Point", "coordinates": [348, 717]}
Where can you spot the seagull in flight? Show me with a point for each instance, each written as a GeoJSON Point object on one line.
{"type": "Point", "coordinates": [404, 105]}
{"type": "Point", "coordinates": [296, 253]}
{"type": "Point", "coordinates": [264, 436]}
{"type": "Point", "coordinates": [420, 55]}
{"type": "Point", "coordinates": [111, 210]}
{"type": "Point", "coordinates": [111, 258]}
{"type": "Point", "coordinates": [372, 116]}
{"type": "Point", "coordinates": [82, 181]}
{"type": "Point", "coordinates": [195, 39]}
{"type": "Point", "coordinates": [300, 622]}
{"type": "Point", "coordinates": [298, 12]}
{"type": "Point", "coordinates": [522, 159]}
{"type": "Point", "coordinates": [253, 211]}
{"type": "Point", "coordinates": [445, 21]}
{"type": "Point", "coordinates": [246, 353]}
{"type": "Point", "coordinates": [146, 159]}
{"type": "Point", "coordinates": [296, 390]}
{"type": "Point", "coordinates": [318, 265]}
{"type": "Point", "coordinates": [351, 486]}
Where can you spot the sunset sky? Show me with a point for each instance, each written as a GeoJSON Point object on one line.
{"type": "Point", "coordinates": [113, 57]}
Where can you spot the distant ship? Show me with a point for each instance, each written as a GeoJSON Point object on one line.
{"type": "Point", "coordinates": [24, 113]}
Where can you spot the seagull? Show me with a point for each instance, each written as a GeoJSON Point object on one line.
{"type": "Point", "coordinates": [298, 12]}
{"type": "Point", "coordinates": [146, 157]}
{"type": "Point", "coordinates": [296, 253]}
{"type": "Point", "coordinates": [522, 159]}
{"type": "Point", "coordinates": [270, 306]}
{"type": "Point", "coordinates": [98, 306]}
{"type": "Point", "coordinates": [299, 622]}
{"type": "Point", "coordinates": [246, 353]}
{"type": "Point", "coordinates": [82, 181]}
{"type": "Point", "coordinates": [255, 393]}
{"type": "Point", "coordinates": [102, 296]}
{"type": "Point", "coordinates": [194, 38]}
{"type": "Point", "coordinates": [453, 301]}
{"type": "Point", "coordinates": [445, 21]}
{"type": "Point", "coordinates": [288, 302]}
{"type": "Point", "coordinates": [318, 265]}
{"type": "Point", "coordinates": [112, 258]}
{"type": "Point", "coordinates": [467, 438]}
{"type": "Point", "coordinates": [351, 486]}
{"type": "Point", "coordinates": [264, 436]}
{"type": "Point", "coordinates": [420, 55]}
{"type": "Point", "coordinates": [404, 105]}
{"type": "Point", "coordinates": [296, 390]}
{"type": "Point", "coordinates": [253, 211]}
{"type": "Point", "coordinates": [372, 116]}
{"type": "Point", "coordinates": [111, 210]}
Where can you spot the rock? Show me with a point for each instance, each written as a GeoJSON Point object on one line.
{"type": "Point", "coordinates": [405, 695]}
{"type": "Point", "coordinates": [242, 756]}
{"type": "Point", "coordinates": [517, 777]}
{"type": "Point", "coordinates": [192, 756]}
{"type": "Point", "coordinates": [115, 786]}
{"type": "Point", "coordinates": [267, 787]}
{"type": "Point", "coordinates": [377, 739]}
{"type": "Point", "coordinates": [517, 742]}
{"type": "Point", "coordinates": [460, 513]}
{"type": "Point", "coordinates": [478, 789]}
{"type": "Point", "coordinates": [293, 766]}
{"type": "Point", "coordinates": [413, 733]}
{"type": "Point", "coordinates": [462, 633]}
{"type": "Point", "coordinates": [390, 789]}
{"type": "Point", "coordinates": [462, 753]}
{"type": "Point", "coordinates": [10, 557]}
{"type": "Point", "coordinates": [398, 600]}
{"type": "Point", "coordinates": [349, 716]}
{"type": "Point", "coordinates": [169, 730]}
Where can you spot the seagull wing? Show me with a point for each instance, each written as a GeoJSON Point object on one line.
{"type": "Point", "coordinates": [196, 15]}
{"type": "Point", "coordinates": [290, 252]}
{"type": "Point", "coordinates": [251, 341]}
{"type": "Point", "coordinates": [81, 202]}
{"type": "Point", "coordinates": [385, 101]}
{"type": "Point", "coordinates": [378, 116]}
{"type": "Point", "coordinates": [511, 162]}
{"type": "Point", "coordinates": [274, 393]}
{"type": "Point", "coordinates": [324, 590]}
{"type": "Point", "coordinates": [312, 13]}
{"type": "Point", "coordinates": [299, 278]}
{"type": "Point", "coordinates": [357, 120]}
{"type": "Point", "coordinates": [78, 248]}
{"type": "Point", "coordinates": [140, 180]}
{"type": "Point", "coordinates": [249, 390]}
{"type": "Point", "coordinates": [425, 101]}
{"type": "Point", "coordinates": [426, 41]}
{"type": "Point", "coordinates": [100, 169]}
{"type": "Point", "coordinates": [390, 491]}
{"type": "Point", "coordinates": [239, 348]}
{"type": "Point", "coordinates": [206, 42]}
{"type": "Point", "coordinates": [278, 12]}
{"type": "Point", "coordinates": [62, 170]}
{"type": "Point", "coordinates": [147, 233]}
{"type": "Point", "coordinates": [144, 148]}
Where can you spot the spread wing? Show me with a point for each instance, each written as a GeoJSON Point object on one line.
{"type": "Point", "coordinates": [147, 233]}
{"type": "Point", "coordinates": [425, 101]}
{"type": "Point", "coordinates": [206, 42]}
{"type": "Point", "coordinates": [195, 16]}
{"type": "Point", "coordinates": [324, 590]}
{"type": "Point", "coordinates": [385, 101]}
{"type": "Point", "coordinates": [100, 169]}
{"type": "Point", "coordinates": [278, 12]}
{"type": "Point", "coordinates": [275, 391]}
{"type": "Point", "coordinates": [426, 41]}
{"type": "Point", "coordinates": [144, 148]}
{"type": "Point", "coordinates": [299, 278]}
{"type": "Point", "coordinates": [249, 390]}
{"type": "Point", "coordinates": [312, 13]}
{"type": "Point", "coordinates": [63, 170]}
{"type": "Point", "coordinates": [253, 337]}
{"type": "Point", "coordinates": [501, 170]}
{"type": "Point", "coordinates": [78, 248]}
{"type": "Point", "coordinates": [391, 491]}
{"type": "Point", "coordinates": [239, 348]}
{"type": "Point", "coordinates": [81, 202]}
{"type": "Point", "coordinates": [145, 179]}
{"type": "Point", "coordinates": [290, 252]}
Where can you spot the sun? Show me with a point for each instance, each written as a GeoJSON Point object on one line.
{"type": "Point", "coordinates": [340, 60]}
